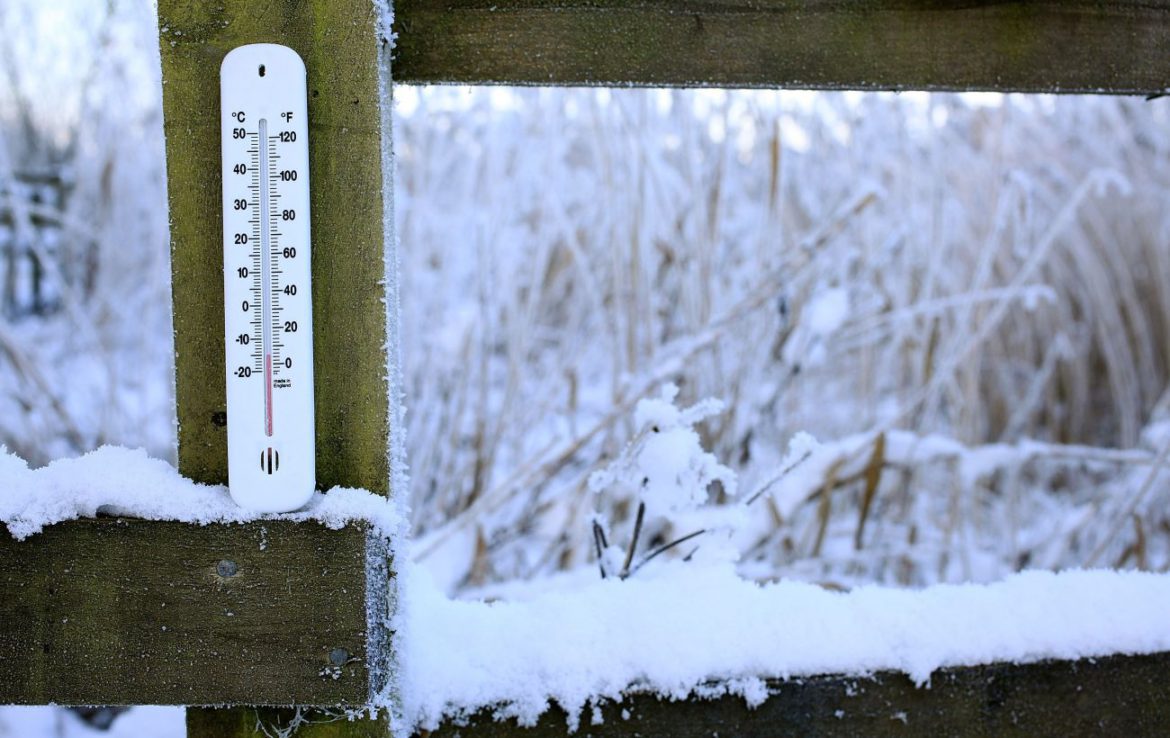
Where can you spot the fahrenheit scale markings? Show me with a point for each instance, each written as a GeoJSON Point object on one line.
{"type": "Point", "coordinates": [267, 313]}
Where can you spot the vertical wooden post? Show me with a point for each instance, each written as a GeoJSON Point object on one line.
{"type": "Point", "coordinates": [339, 43]}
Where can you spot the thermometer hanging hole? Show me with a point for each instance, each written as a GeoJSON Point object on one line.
{"type": "Point", "coordinates": [261, 70]}
{"type": "Point", "coordinates": [270, 460]}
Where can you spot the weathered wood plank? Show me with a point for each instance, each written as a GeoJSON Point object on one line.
{"type": "Point", "coordinates": [264, 722]}
{"type": "Point", "coordinates": [339, 44]}
{"type": "Point", "coordinates": [1115, 696]}
{"type": "Point", "coordinates": [1121, 46]}
{"type": "Point", "coordinates": [120, 612]}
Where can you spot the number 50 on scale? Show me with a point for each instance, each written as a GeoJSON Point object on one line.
{"type": "Point", "coordinates": [267, 311]}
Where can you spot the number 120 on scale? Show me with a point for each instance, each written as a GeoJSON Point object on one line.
{"type": "Point", "coordinates": [267, 310]}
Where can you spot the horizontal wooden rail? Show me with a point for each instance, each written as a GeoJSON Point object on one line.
{"type": "Point", "coordinates": [1115, 696]}
{"type": "Point", "coordinates": [120, 612]}
{"type": "Point", "coordinates": [1122, 46]}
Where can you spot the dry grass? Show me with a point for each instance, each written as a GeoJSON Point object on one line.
{"type": "Point", "coordinates": [1004, 268]}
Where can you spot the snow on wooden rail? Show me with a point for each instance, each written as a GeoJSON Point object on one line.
{"type": "Point", "coordinates": [699, 629]}
{"type": "Point", "coordinates": [113, 610]}
{"type": "Point", "coordinates": [183, 597]}
{"type": "Point", "coordinates": [98, 611]}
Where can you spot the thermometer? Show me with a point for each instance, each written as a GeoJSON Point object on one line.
{"type": "Point", "coordinates": [268, 316]}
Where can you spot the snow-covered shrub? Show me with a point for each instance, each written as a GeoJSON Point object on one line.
{"type": "Point", "coordinates": [664, 471]}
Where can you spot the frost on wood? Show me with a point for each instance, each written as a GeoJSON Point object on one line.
{"type": "Point", "coordinates": [119, 481]}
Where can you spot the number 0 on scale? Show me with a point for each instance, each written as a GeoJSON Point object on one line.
{"type": "Point", "coordinates": [267, 313]}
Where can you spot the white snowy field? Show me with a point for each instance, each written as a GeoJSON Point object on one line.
{"type": "Point", "coordinates": [923, 336]}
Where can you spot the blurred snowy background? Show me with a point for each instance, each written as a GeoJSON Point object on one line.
{"type": "Point", "coordinates": [964, 298]}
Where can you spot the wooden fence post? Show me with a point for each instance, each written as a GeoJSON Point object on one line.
{"type": "Point", "coordinates": [338, 40]}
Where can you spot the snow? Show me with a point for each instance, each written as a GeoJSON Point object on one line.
{"type": "Point", "coordinates": [666, 464]}
{"type": "Point", "coordinates": [674, 631]}
{"type": "Point", "coordinates": [675, 628]}
{"type": "Point", "coordinates": [127, 482]}
{"type": "Point", "coordinates": [828, 311]}
{"type": "Point", "coordinates": [997, 302]}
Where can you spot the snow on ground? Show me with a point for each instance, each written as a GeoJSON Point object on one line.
{"type": "Point", "coordinates": [673, 628]}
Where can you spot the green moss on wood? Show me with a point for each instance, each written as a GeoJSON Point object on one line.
{"type": "Point", "coordinates": [124, 612]}
{"type": "Point", "coordinates": [337, 40]}
{"type": "Point", "coordinates": [264, 722]}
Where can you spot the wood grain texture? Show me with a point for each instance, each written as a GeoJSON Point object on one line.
{"type": "Point", "coordinates": [339, 45]}
{"type": "Point", "coordinates": [1115, 696]}
{"type": "Point", "coordinates": [1037, 46]}
{"type": "Point", "coordinates": [122, 612]}
{"type": "Point", "coordinates": [264, 722]}
{"type": "Point", "coordinates": [338, 42]}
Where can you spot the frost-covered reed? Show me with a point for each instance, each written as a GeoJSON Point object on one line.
{"type": "Point", "coordinates": [992, 270]}
{"type": "Point", "coordinates": [80, 101]}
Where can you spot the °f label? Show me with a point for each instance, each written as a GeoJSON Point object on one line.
{"type": "Point", "coordinates": [267, 310]}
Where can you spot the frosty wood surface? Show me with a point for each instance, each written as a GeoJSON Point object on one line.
{"type": "Point", "coordinates": [338, 43]}
{"type": "Point", "coordinates": [1119, 695]}
{"type": "Point", "coordinates": [243, 724]}
{"type": "Point", "coordinates": [1072, 46]}
{"type": "Point", "coordinates": [117, 612]}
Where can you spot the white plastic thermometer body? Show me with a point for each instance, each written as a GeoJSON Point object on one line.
{"type": "Point", "coordinates": [267, 310]}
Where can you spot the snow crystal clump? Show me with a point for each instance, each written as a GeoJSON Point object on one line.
{"type": "Point", "coordinates": [665, 466]}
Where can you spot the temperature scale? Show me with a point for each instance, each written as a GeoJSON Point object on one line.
{"type": "Point", "coordinates": [267, 311]}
